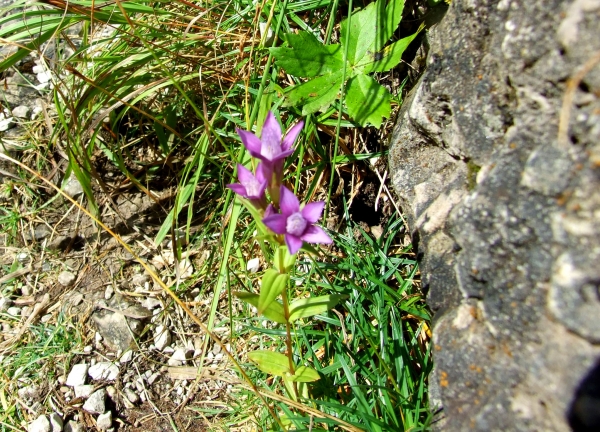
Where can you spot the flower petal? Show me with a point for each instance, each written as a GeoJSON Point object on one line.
{"type": "Point", "coordinates": [271, 135]}
{"type": "Point", "coordinates": [270, 211]}
{"type": "Point", "coordinates": [293, 243]}
{"type": "Point", "coordinates": [312, 211]}
{"type": "Point", "coordinates": [291, 136]}
{"type": "Point", "coordinates": [238, 189]}
{"type": "Point", "coordinates": [315, 234]}
{"type": "Point", "coordinates": [244, 174]}
{"type": "Point", "coordinates": [250, 141]}
{"type": "Point", "coordinates": [276, 223]}
{"type": "Point", "coordinates": [288, 202]}
{"type": "Point", "coordinates": [263, 172]}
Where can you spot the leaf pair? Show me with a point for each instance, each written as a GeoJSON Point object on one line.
{"type": "Point", "coordinates": [278, 364]}
{"type": "Point", "coordinates": [365, 34]}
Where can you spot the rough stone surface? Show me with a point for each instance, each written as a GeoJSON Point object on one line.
{"type": "Point", "coordinates": [56, 422]}
{"type": "Point", "coordinates": [119, 329]}
{"type": "Point", "coordinates": [106, 371]}
{"type": "Point", "coordinates": [104, 421]}
{"type": "Point", "coordinates": [505, 215]}
{"type": "Point", "coordinates": [40, 424]}
{"type": "Point", "coordinates": [73, 426]}
{"type": "Point", "coordinates": [78, 375]}
{"type": "Point", "coordinates": [96, 403]}
{"type": "Point", "coordinates": [66, 278]}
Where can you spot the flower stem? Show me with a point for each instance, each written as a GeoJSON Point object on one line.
{"type": "Point", "coordinates": [288, 340]}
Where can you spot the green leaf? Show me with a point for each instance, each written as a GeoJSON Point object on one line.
{"type": "Point", "coordinates": [270, 362]}
{"type": "Point", "coordinates": [367, 101]}
{"type": "Point", "coordinates": [388, 58]}
{"type": "Point", "coordinates": [316, 94]}
{"type": "Point", "coordinates": [272, 285]}
{"type": "Point", "coordinates": [306, 374]}
{"type": "Point", "coordinates": [24, 52]}
{"type": "Point", "coordinates": [311, 306]}
{"type": "Point", "coordinates": [390, 17]}
{"type": "Point", "coordinates": [363, 33]}
{"type": "Point", "coordinates": [274, 311]}
{"type": "Point", "coordinates": [307, 57]}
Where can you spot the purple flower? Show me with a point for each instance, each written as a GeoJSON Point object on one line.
{"type": "Point", "coordinates": [271, 148]}
{"type": "Point", "coordinates": [297, 225]}
{"type": "Point", "coordinates": [250, 186]}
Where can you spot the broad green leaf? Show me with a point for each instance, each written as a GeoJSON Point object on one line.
{"type": "Point", "coordinates": [363, 33]}
{"type": "Point", "coordinates": [316, 94]}
{"type": "Point", "coordinates": [283, 260]}
{"type": "Point", "coordinates": [311, 306]}
{"type": "Point", "coordinates": [307, 57]}
{"type": "Point", "coordinates": [270, 362]}
{"type": "Point", "coordinates": [367, 101]}
{"type": "Point", "coordinates": [306, 374]}
{"type": "Point", "coordinates": [271, 286]}
{"type": "Point", "coordinates": [388, 58]}
{"type": "Point", "coordinates": [390, 18]}
{"type": "Point", "coordinates": [274, 311]}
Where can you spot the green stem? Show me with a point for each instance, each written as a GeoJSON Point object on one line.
{"type": "Point", "coordinates": [288, 340]}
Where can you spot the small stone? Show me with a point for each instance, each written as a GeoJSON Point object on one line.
{"type": "Point", "coordinates": [152, 378]}
{"type": "Point", "coordinates": [44, 76]}
{"type": "Point", "coordinates": [73, 426]}
{"type": "Point", "coordinates": [14, 311]}
{"type": "Point", "coordinates": [104, 371]}
{"type": "Point", "coordinates": [112, 393]}
{"type": "Point", "coordinates": [151, 303]}
{"type": "Point", "coordinates": [126, 357]}
{"type": "Point", "coordinates": [104, 421]}
{"type": "Point", "coordinates": [6, 124]}
{"type": "Point", "coordinates": [131, 395]}
{"type": "Point", "coordinates": [46, 318]}
{"type": "Point", "coordinates": [139, 279]}
{"type": "Point", "coordinates": [88, 349]}
{"type": "Point", "coordinates": [108, 292]}
{"type": "Point", "coordinates": [41, 232]}
{"type": "Point", "coordinates": [31, 392]}
{"type": "Point", "coordinates": [23, 257]}
{"type": "Point", "coordinates": [56, 422]}
{"type": "Point", "coordinates": [22, 111]}
{"type": "Point", "coordinates": [162, 337]}
{"type": "Point", "coordinates": [5, 303]}
{"type": "Point", "coordinates": [139, 384]}
{"type": "Point", "coordinates": [180, 356]}
{"type": "Point", "coordinates": [83, 391]}
{"type": "Point", "coordinates": [78, 375]}
{"type": "Point", "coordinates": [186, 268]}
{"type": "Point", "coordinates": [40, 424]}
{"type": "Point", "coordinates": [72, 187]}
{"type": "Point", "coordinates": [96, 402]}
{"type": "Point", "coordinates": [377, 231]}
{"type": "Point", "coordinates": [66, 278]}
{"type": "Point", "coordinates": [253, 265]}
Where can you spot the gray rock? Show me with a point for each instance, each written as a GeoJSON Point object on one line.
{"type": "Point", "coordinates": [126, 357]}
{"type": "Point", "coordinates": [78, 375]}
{"type": "Point", "coordinates": [7, 123]}
{"type": "Point", "coordinates": [72, 187]}
{"type": "Point", "coordinates": [14, 311]}
{"type": "Point", "coordinates": [104, 421]}
{"type": "Point", "coordinates": [56, 422]}
{"type": "Point", "coordinates": [5, 303]}
{"type": "Point", "coordinates": [40, 424]}
{"type": "Point", "coordinates": [106, 371]}
{"type": "Point", "coordinates": [131, 396]}
{"type": "Point", "coordinates": [66, 278]}
{"type": "Point", "coordinates": [73, 426]}
{"type": "Point", "coordinates": [117, 329]}
{"type": "Point", "coordinates": [22, 111]}
{"type": "Point", "coordinates": [506, 215]}
{"type": "Point", "coordinates": [162, 337]}
{"type": "Point", "coordinates": [29, 393]}
{"type": "Point", "coordinates": [96, 403]}
{"type": "Point", "coordinates": [83, 391]}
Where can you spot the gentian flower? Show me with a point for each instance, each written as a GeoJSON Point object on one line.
{"type": "Point", "coordinates": [250, 186]}
{"type": "Point", "coordinates": [297, 225]}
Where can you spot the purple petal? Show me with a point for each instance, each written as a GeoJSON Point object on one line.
{"type": "Point", "coordinates": [270, 211]}
{"type": "Point", "coordinates": [293, 243]}
{"type": "Point", "coordinates": [263, 172]}
{"type": "Point", "coordinates": [271, 137]}
{"type": "Point", "coordinates": [276, 223]}
{"type": "Point", "coordinates": [244, 174]}
{"type": "Point", "coordinates": [288, 202]}
{"type": "Point", "coordinates": [238, 189]}
{"type": "Point", "coordinates": [291, 136]}
{"type": "Point", "coordinates": [250, 141]}
{"type": "Point", "coordinates": [312, 211]}
{"type": "Point", "coordinates": [283, 155]}
{"type": "Point", "coordinates": [315, 234]}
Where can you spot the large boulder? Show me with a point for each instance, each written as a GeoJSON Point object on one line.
{"type": "Point", "coordinates": [496, 161]}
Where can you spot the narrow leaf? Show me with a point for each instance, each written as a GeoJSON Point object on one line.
{"type": "Point", "coordinates": [274, 311]}
{"type": "Point", "coordinates": [311, 306]}
{"type": "Point", "coordinates": [272, 285]}
{"type": "Point", "coordinates": [270, 362]}
{"type": "Point", "coordinates": [367, 101]}
{"type": "Point", "coordinates": [363, 33]}
{"type": "Point", "coordinates": [316, 94]}
{"type": "Point", "coordinates": [381, 61]}
{"type": "Point", "coordinates": [307, 57]}
{"type": "Point", "coordinates": [283, 260]}
{"type": "Point", "coordinates": [306, 374]}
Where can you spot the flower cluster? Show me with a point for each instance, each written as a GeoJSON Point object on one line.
{"type": "Point", "coordinates": [283, 215]}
